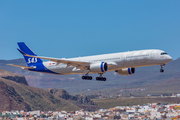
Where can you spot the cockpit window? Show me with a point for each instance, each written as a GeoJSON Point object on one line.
{"type": "Point", "coordinates": [163, 53]}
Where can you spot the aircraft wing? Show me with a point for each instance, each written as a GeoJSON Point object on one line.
{"type": "Point", "coordinates": [111, 65]}
{"type": "Point", "coordinates": [77, 64]}
{"type": "Point", "coordinates": [23, 67]}
{"type": "Point", "coordinates": [64, 61]}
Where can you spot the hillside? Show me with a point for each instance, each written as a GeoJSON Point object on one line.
{"type": "Point", "coordinates": [12, 76]}
{"type": "Point", "coordinates": [17, 96]}
{"type": "Point", "coordinates": [82, 101]}
{"type": "Point", "coordinates": [113, 102]}
{"type": "Point", "coordinates": [145, 77]}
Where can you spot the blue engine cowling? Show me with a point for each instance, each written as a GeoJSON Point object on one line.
{"type": "Point", "coordinates": [126, 71]}
{"type": "Point", "coordinates": [100, 67]}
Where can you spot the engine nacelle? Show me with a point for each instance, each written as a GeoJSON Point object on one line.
{"type": "Point", "coordinates": [126, 71]}
{"type": "Point", "coordinates": [99, 67]}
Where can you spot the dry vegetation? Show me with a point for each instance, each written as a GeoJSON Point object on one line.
{"type": "Point", "coordinates": [112, 102]}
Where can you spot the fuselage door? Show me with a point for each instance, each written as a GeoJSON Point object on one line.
{"type": "Point", "coordinates": [152, 54]}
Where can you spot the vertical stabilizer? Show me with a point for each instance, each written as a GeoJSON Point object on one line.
{"type": "Point", "coordinates": [29, 60]}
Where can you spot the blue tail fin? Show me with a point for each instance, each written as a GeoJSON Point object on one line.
{"type": "Point", "coordinates": [29, 60]}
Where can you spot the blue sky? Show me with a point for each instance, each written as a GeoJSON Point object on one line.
{"type": "Point", "coordinates": [72, 28]}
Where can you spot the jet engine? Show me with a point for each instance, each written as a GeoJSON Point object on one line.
{"type": "Point", "coordinates": [126, 71]}
{"type": "Point", "coordinates": [99, 67]}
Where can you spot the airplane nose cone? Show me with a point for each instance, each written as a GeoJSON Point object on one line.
{"type": "Point", "coordinates": [169, 58]}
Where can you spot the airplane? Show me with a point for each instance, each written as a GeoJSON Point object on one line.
{"type": "Point", "coordinates": [124, 63]}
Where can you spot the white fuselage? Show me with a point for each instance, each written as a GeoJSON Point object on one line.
{"type": "Point", "coordinates": [118, 60]}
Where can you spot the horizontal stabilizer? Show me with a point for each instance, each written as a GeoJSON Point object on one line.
{"type": "Point", "coordinates": [23, 67]}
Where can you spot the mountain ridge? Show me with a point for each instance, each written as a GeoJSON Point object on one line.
{"type": "Point", "coordinates": [12, 76]}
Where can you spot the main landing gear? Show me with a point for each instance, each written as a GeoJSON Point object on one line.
{"type": "Point", "coordinates": [162, 70]}
{"type": "Point", "coordinates": [86, 77]}
{"type": "Point", "coordinates": [100, 78]}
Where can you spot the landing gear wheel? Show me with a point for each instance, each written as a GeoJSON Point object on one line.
{"type": "Point", "coordinates": [86, 77]}
{"type": "Point", "coordinates": [161, 70]}
{"type": "Point", "coordinates": [100, 78]}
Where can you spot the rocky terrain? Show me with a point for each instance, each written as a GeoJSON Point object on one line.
{"type": "Point", "coordinates": [12, 76]}
{"type": "Point", "coordinates": [17, 95]}
{"type": "Point", "coordinates": [81, 101]}
{"type": "Point", "coordinates": [10, 99]}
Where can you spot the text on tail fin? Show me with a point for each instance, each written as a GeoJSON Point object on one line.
{"type": "Point", "coordinates": [24, 49]}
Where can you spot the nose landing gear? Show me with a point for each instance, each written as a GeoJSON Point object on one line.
{"type": "Point", "coordinates": [162, 70]}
